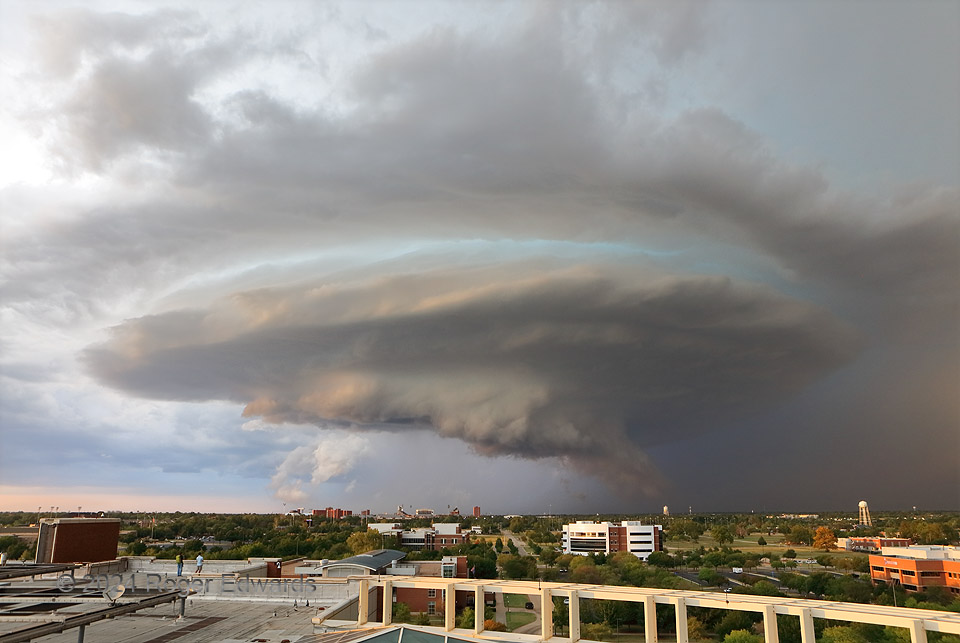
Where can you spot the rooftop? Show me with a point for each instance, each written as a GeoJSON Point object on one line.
{"type": "Point", "coordinates": [375, 559]}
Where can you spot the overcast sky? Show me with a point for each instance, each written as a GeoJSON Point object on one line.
{"type": "Point", "coordinates": [557, 256]}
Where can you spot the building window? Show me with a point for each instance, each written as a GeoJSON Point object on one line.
{"type": "Point", "coordinates": [431, 593]}
{"type": "Point", "coordinates": [431, 607]}
{"type": "Point", "coordinates": [449, 571]}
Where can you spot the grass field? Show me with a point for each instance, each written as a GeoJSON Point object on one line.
{"type": "Point", "coordinates": [748, 545]}
{"type": "Point", "coordinates": [515, 600]}
{"type": "Point", "coordinates": [517, 619]}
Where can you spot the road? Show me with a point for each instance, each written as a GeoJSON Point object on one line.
{"type": "Point", "coordinates": [517, 542]}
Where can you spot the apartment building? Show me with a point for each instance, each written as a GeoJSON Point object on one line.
{"type": "Point", "coordinates": [585, 537]}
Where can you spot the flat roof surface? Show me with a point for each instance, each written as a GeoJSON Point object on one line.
{"type": "Point", "coordinates": [205, 621]}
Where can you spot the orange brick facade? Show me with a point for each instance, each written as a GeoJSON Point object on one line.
{"type": "Point", "coordinates": [916, 574]}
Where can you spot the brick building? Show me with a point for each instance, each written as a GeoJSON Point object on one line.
{"type": "Point", "coordinates": [872, 544]}
{"type": "Point", "coordinates": [439, 536]}
{"type": "Point", "coordinates": [918, 567]}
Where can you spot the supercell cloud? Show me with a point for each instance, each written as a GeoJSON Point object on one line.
{"type": "Point", "coordinates": [585, 363]}
{"type": "Point", "coordinates": [559, 232]}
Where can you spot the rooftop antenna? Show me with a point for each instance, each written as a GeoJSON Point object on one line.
{"type": "Point", "coordinates": [865, 514]}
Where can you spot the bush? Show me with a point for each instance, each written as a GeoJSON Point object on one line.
{"type": "Point", "coordinates": [842, 634]}
{"type": "Point", "coordinates": [494, 626]}
{"type": "Point", "coordinates": [596, 631]}
{"type": "Point", "coordinates": [742, 636]}
{"type": "Point", "coordinates": [401, 613]}
{"type": "Point", "coordinates": [733, 621]}
{"type": "Point", "coordinates": [696, 630]}
{"type": "Point", "coordinates": [466, 618]}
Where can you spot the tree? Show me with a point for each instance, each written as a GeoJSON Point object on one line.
{"type": "Point", "coordinates": [790, 553]}
{"type": "Point", "coordinates": [684, 528]}
{"type": "Point", "coordinates": [800, 535]}
{"type": "Point", "coordinates": [499, 546]}
{"type": "Point", "coordinates": [466, 618]}
{"type": "Point", "coordinates": [586, 574]}
{"type": "Point", "coordinates": [696, 630]}
{"type": "Point", "coordinates": [816, 583]}
{"type": "Point", "coordinates": [722, 534]}
{"type": "Point", "coordinates": [596, 631]}
{"type": "Point", "coordinates": [401, 613]}
{"type": "Point", "coordinates": [711, 577]}
{"type": "Point", "coordinates": [516, 567]}
{"type": "Point", "coordinates": [842, 634]}
{"type": "Point", "coordinates": [761, 541]}
{"type": "Point", "coordinates": [765, 588]}
{"type": "Point", "coordinates": [734, 620]}
{"type": "Point", "coordinates": [660, 559]}
{"type": "Point", "coordinates": [363, 541]}
{"type": "Point", "coordinates": [561, 613]}
{"type": "Point", "coordinates": [742, 636]}
{"type": "Point", "coordinates": [549, 555]}
{"type": "Point", "coordinates": [824, 539]}
{"type": "Point", "coordinates": [824, 560]}
{"type": "Point", "coordinates": [136, 548]}
{"type": "Point", "coordinates": [482, 567]}
{"type": "Point", "coordinates": [714, 559]}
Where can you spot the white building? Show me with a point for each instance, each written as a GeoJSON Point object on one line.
{"type": "Point", "coordinates": [437, 537]}
{"type": "Point", "coordinates": [585, 537]}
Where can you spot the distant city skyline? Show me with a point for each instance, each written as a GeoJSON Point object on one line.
{"type": "Point", "coordinates": [551, 257]}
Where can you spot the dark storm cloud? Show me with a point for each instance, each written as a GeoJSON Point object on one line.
{"type": "Point", "coordinates": [590, 365]}
{"type": "Point", "coordinates": [534, 135]}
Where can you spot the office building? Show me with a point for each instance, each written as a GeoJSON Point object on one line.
{"type": "Point", "coordinates": [439, 536]}
{"type": "Point", "coordinates": [585, 537]}
{"type": "Point", "coordinates": [918, 567]}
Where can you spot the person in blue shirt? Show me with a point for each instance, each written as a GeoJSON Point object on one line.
{"type": "Point", "coordinates": [199, 563]}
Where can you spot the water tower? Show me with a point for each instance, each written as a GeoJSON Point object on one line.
{"type": "Point", "coordinates": [865, 514]}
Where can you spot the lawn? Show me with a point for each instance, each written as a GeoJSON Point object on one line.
{"type": "Point", "coordinates": [749, 545]}
{"type": "Point", "coordinates": [515, 600]}
{"type": "Point", "coordinates": [517, 619]}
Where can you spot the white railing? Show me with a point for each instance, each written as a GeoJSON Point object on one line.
{"type": "Point", "coordinates": [917, 621]}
